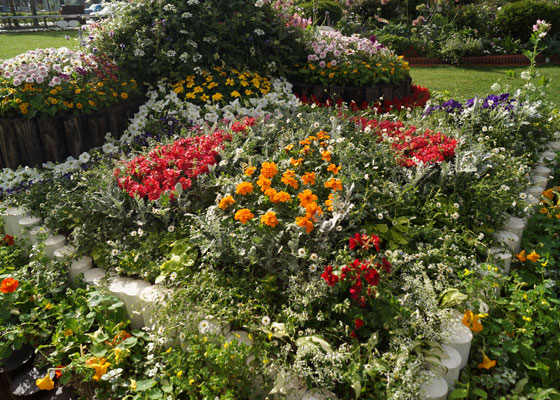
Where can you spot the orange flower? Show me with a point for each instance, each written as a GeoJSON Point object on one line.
{"type": "Point", "coordinates": [306, 150]}
{"type": "Point", "coordinates": [326, 156]}
{"type": "Point", "coordinates": [288, 178]}
{"type": "Point", "coordinates": [244, 215]}
{"type": "Point", "coordinates": [244, 188]}
{"type": "Point", "coordinates": [281, 197]}
{"type": "Point", "coordinates": [329, 202]}
{"type": "Point", "coordinates": [306, 197]}
{"type": "Point", "coordinates": [308, 178]}
{"type": "Point", "coordinates": [304, 222]}
{"type": "Point", "coordinates": [9, 285]}
{"type": "Point", "coordinates": [226, 202]}
{"type": "Point", "coordinates": [269, 169]}
{"type": "Point", "coordinates": [486, 362]}
{"type": "Point", "coordinates": [289, 147]}
{"type": "Point", "coordinates": [124, 95]}
{"type": "Point", "coordinates": [296, 162]}
{"type": "Point", "coordinates": [270, 219]}
{"type": "Point", "coordinates": [334, 184]}
{"type": "Point", "coordinates": [533, 256]}
{"type": "Point", "coordinates": [521, 256]}
{"type": "Point", "coordinates": [9, 240]}
{"type": "Point", "coordinates": [100, 365]}
{"type": "Point", "coordinates": [250, 171]}
{"type": "Point", "coordinates": [472, 321]}
{"type": "Point", "coordinates": [264, 183]}
{"type": "Point", "coordinates": [311, 209]}
{"type": "Point", "coordinates": [333, 168]}
{"type": "Point", "coordinates": [548, 193]}
{"type": "Point", "coordinates": [322, 135]}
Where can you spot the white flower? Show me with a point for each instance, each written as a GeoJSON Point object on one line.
{"type": "Point", "coordinates": [316, 124]}
{"type": "Point", "coordinates": [339, 228]}
{"type": "Point", "coordinates": [265, 320]}
{"type": "Point", "coordinates": [259, 32]}
{"type": "Point", "coordinates": [133, 233]}
{"type": "Point", "coordinates": [140, 232]}
{"type": "Point", "coordinates": [170, 228]}
{"type": "Point", "coordinates": [313, 257]}
{"type": "Point", "coordinates": [173, 275]}
{"type": "Point", "coordinates": [203, 326]}
{"type": "Point", "coordinates": [522, 195]}
{"type": "Point", "coordinates": [301, 252]}
{"type": "Point", "coordinates": [455, 215]}
{"type": "Point", "coordinates": [481, 236]}
{"type": "Point", "coordinates": [495, 87]}
{"type": "Point", "coordinates": [114, 252]}
{"type": "Point", "coordinates": [313, 268]}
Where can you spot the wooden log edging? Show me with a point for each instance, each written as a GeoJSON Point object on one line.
{"type": "Point", "coordinates": [350, 94]}
{"type": "Point", "coordinates": [31, 142]}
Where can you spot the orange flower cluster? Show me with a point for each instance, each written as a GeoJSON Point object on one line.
{"type": "Point", "coordinates": [9, 285]}
{"type": "Point", "coordinates": [313, 155]}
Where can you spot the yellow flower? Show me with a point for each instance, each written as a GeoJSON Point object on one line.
{"type": "Point", "coordinates": [244, 188]}
{"type": "Point", "coordinates": [533, 256]}
{"type": "Point", "coordinates": [521, 256]}
{"type": "Point", "coordinates": [235, 93]}
{"type": "Point", "coordinates": [244, 215]}
{"type": "Point", "coordinates": [229, 82]}
{"type": "Point", "coordinates": [191, 381]}
{"type": "Point", "coordinates": [217, 97]}
{"type": "Point", "coordinates": [68, 332]}
{"type": "Point", "coordinates": [204, 97]}
{"type": "Point", "coordinates": [180, 373]}
{"type": "Point", "coordinates": [224, 204]}
{"type": "Point", "coordinates": [528, 319]}
{"type": "Point", "coordinates": [248, 92]}
{"type": "Point", "coordinates": [100, 365]}
{"type": "Point", "coordinates": [270, 219]}
{"type": "Point", "coordinates": [486, 362]}
{"type": "Point", "coordinates": [132, 384]}
{"type": "Point", "coordinates": [45, 383]}
{"type": "Point", "coordinates": [48, 306]}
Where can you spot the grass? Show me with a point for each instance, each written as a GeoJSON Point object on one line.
{"type": "Point", "coordinates": [466, 82]}
{"type": "Point", "coordinates": [12, 44]}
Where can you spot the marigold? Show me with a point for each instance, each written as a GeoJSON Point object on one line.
{"type": "Point", "coordinates": [9, 285]}
{"type": "Point", "coordinates": [289, 179]}
{"type": "Point", "coordinates": [264, 183]}
{"type": "Point", "coordinates": [124, 95]}
{"type": "Point", "coordinates": [334, 184]}
{"type": "Point", "coordinates": [306, 197]}
{"type": "Point", "coordinates": [308, 178]}
{"type": "Point", "coordinates": [311, 210]}
{"type": "Point", "coordinates": [282, 197]}
{"type": "Point", "coordinates": [270, 219]}
{"type": "Point", "coordinates": [329, 202]}
{"type": "Point", "coordinates": [244, 215]}
{"type": "Point", "coordinates": [226, 202]}
{"type": "Point", "coordinates": [296, 162]}
{"type": "Point", "coordinates": [304, 222]}
{"type": "Point", "coordinates": [250, 170]}
{"type": "Point", "coordinates": [333, 168]}
{"type": "Point", "coordinates": [326, 156]}
{"type": "Point", "coordinates": [244, 188]}
{"type": "Point", "coordinates": [269, 169]}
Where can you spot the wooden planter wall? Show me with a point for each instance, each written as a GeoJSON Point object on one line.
{"type": "Point", "coordinates": [31, 142]}
{"type": "Point", "coordinates": [356, 94]}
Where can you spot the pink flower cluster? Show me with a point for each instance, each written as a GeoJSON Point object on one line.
{"type": "Point", "coordinates": [412, 148]}
{"type": "Point", "coordinates": [167, 166]}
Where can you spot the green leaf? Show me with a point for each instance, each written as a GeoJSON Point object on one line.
{"type": "Point", "coordinates": [130, 342]}
{"type": "Point", "coordinates": [155, 393]}
{"type": "Point", "coordinates": [451, 297]}
{"type": "Point", "coordinates": [480, 393]}
{"type": "Point", "coordinates": [65, 378]}
{"type": "Point", "coordinates": [357, 386]}
{"type": "Point", "coordinates": [381, 228]}
{"type": "Point", "coordinates": [144, 385]}
{"type": "Point", "coordinates": [458, 394]}
{"type": "Point", "coordinates": [99, 350]}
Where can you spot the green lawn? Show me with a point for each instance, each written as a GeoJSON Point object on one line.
{"type": "Point", "coordinates": [12, 44]}
{"type": "Point", "coordinates": [466, 82]}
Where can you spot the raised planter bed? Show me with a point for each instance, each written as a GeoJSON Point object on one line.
{"type": "Point", "coordinates": [353, 94]}
{"type": "Point", "coordinates": [31, 142]}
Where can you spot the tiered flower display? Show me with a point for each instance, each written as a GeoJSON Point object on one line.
{"type": "Point", "coordinates": [48, 82]}
{"type": "Point", "coordinates": [339, 60]}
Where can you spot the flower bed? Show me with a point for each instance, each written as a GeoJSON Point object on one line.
{"type": "Point", "coordinates": [57, 102]}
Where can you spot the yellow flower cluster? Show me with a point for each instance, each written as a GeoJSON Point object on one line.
{"type": "Point", "coordinates": [297, 181]}
{"type": "Point", "coordinates": [39, 99]}
{"type": "Point", "coordinates": [221, 85]}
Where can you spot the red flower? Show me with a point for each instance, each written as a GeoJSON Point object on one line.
{"type": "Point", "coordinates": [329, 277]}
{"type": "Point", "coordinates": [359, 323]}
{"type": "Point", "coordinates": [372, 277]}
{"type": "Point", "coordinates": [387, 265]}
{"type": "Point", "coordinates": [58, 371]}
{"type": "Point", "coordinates": [9, 240]}
{"type": "Point", "coordinates": [364, 241]}
{"type": "Point", "coordinates": [9, 285]}
{"type": "Point", "coordinates": [353, 334]}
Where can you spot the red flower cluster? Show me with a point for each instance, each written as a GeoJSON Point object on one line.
{"type": "Point", "coordinates": [166, 166]}
{"type": "Point", "coordinates": [241, 126]}
{"type": "Point", "coordinates": [412, 147]}
{"type": "Point", "coordinates": [418, 97]}
{"type": "Point", "coordinates": [8, 240]}
{"type": "Point", "coordinates": [364, 241]}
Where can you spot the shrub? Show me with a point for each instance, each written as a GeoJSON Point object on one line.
{"type": "Point", "coordinates": [458, 46]}
{"type": "Point", "coordinates": [517, 18]}
{"type": "Point", "coordinates": [152, 40]}
{"type": "Point", "coordinates": [324, 12]}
